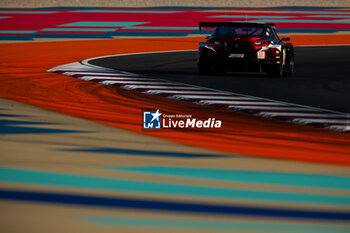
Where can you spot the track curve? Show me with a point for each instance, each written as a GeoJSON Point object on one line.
{"type": "Point", "coordinates": [321, 78]}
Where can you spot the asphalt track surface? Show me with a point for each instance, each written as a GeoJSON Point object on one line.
{"type": "Point", "coordinates": [321, 79]}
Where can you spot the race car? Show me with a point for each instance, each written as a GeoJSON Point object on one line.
{"type": "Point", "coordinates": [245, 47]}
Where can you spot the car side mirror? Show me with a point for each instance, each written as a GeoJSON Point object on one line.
{"type": "Point", "coordinates": [286, 39]}
{"type": "Point", "coordinates": [207, 37]}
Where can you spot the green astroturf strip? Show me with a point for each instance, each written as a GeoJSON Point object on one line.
{"type": "Point", "coordinates": [252, 16]}
{"type": "Point", "coordinates": [304, 21]}
{"type": "Point", "coordinates": [24, 176]}
{"type": "Point", "coordinates": [330, 16]}
{"type": "Point", "coordinates": [79, 29]}
{"type": "Point", "coordinates": [162, 28]}
{"type": "Point", "coordinates": [315, 12]}
{"type": "Point", "coordinates": [17, 32]}
{"type": "Point", "coordinates": [279, 178]}
{"type": "Point", "coordinates": [216, 225]}
{"type": "Point", "coordinates": [127, 11]}
{"type": "Point", "coordinates": [103, 24]}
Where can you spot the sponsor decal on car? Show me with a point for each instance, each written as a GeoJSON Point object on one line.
{"type": "Point", "coordinates": [261, 55]}
{"type": "Point", "coordinates": [236, 55]}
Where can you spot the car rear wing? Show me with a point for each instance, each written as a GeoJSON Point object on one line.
{"type": "Point", "coordinates": [235, 24]}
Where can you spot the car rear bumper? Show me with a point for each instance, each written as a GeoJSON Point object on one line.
{"type": "Point", "coordinates": [241, 64]}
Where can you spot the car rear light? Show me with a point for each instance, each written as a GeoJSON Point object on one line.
{"type": "Point", "coordinates": [264, 42]}
{"type": "Point", "coordinates": [215, 43]}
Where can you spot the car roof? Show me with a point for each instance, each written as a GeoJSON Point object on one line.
{"type": "Point", "coordinates": [236, 24]}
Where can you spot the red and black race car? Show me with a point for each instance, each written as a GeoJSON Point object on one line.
{"type": "Point", "coordinates": [245, 46]}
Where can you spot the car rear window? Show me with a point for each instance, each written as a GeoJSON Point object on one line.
{"type": "Point", "coordinates": [223, 31]}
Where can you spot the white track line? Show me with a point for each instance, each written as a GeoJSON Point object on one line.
{"type": "Point", "coordinates": [298, 114]}
{"type": "Point", "coordinates": [238, 102]}
{"type": "Point", "coordinates": [88, 78]}
{"type": "Point", "coordinates": [212, 97]}
{"type": "Point", "coordinates": [340, 128]}
{"type": "Point", "coordinates": [184, 92]}
{"type": "Point", "coordinates": [158, 87]}
{"type": "Point", "coordinates": [325, 121]}
{"type": "Point", "coordinates": [270, 108]}
{"type": "Point", "coordinates": [136, 82]}
{"type": "Point", "coordinates": [77, 67]}
{"type": "Point", "coordinates": [99, 73]}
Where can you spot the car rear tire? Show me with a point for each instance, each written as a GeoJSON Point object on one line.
{"type": "Point", "coordinates": [290, 66]}
{"type": "Point", "coordinates": [204, 66]}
